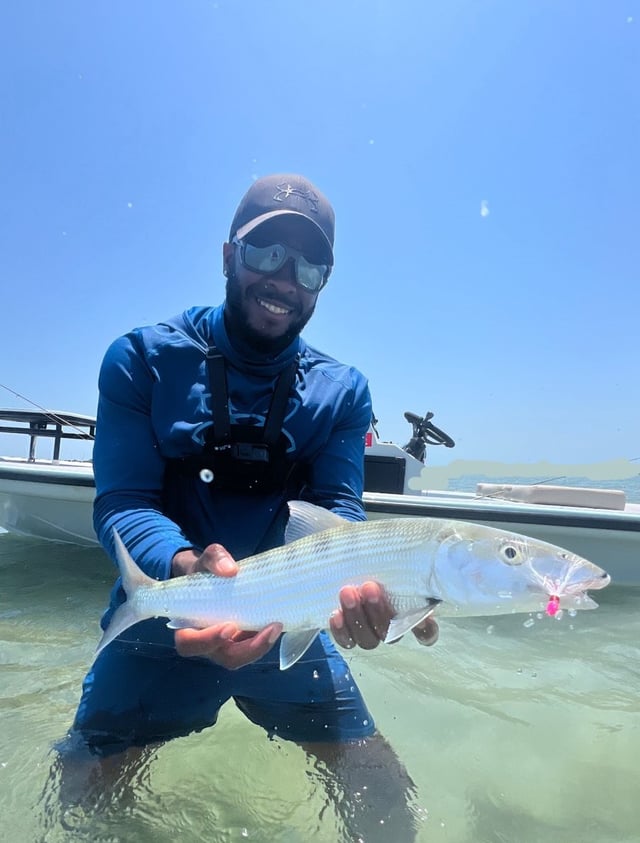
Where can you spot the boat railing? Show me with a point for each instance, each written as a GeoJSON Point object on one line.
{"type": "Point", "coordinates": [49, 425]}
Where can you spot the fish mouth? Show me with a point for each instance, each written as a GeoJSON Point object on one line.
{"type": "Point", "coordinates": [576, 578]}
{"type": "Point", "coordinates": [574, 595]}
{"type": "Point", "coordinates": [571, 590]}
{"type": "Point", "coordinates": [582, 586]}
{"type": "Point", "coordinates": [583, 601]}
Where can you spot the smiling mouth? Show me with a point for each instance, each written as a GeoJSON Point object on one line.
{"type": "Point", "coordinates": [277, 310]}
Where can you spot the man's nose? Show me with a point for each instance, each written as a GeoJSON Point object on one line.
{"type": "Point", "coordinates": [285, 273]}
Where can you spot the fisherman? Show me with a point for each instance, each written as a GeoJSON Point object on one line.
{"type": "Point", "coordinates": [208, 423]}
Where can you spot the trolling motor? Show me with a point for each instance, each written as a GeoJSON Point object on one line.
{"type": "Point", "coordinates": [424, 433]}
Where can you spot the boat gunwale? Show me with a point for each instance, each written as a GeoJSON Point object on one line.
{"type": "Point", "coordinates": [510, 512]}
{"type": "Point", "coordinates": [457, 507]}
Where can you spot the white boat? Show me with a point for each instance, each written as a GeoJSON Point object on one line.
{"type": "Point", "coordinates": [53, 498]}
{"type": "Point", "coordinates": [47, 498]}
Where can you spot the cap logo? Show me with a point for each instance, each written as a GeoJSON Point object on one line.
{"type": "Point", "coordinates": [284, 190]}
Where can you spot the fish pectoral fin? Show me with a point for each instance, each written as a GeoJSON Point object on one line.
{"type": "Point", "coordinates": [293, 645]}
{"type": "Point", "coordinates": [407, 620]}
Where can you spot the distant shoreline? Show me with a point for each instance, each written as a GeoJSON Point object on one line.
{"type": "Point", "coordinates": [438, 477]}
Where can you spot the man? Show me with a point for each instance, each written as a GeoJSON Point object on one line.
{"type": "Point", "coordinates": [207, 425]}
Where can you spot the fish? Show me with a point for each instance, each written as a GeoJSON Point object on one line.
{"type": "Point", "coordinates": [459, 568]}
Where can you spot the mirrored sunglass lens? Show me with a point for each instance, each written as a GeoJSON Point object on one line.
{"type": "Point", "coordinates": [269, 259]}
{"type": "Point", "coordinates": [265, 258]}
{"type": "Point", "coordinates": [310, 275]}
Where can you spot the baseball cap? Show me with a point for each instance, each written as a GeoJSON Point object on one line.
{"type": "Point", "coordinates": [285, 194]}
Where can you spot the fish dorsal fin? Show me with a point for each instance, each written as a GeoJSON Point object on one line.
{"type": "Point", "coordinates": [306, 518]}
{"type": "Point", "coordinates": [407, 620]}
{"type": "Point", "coordinates": [293, 646]}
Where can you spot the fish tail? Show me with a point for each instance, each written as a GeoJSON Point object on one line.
{"type": "Point", "coordinates": [123, 617]}
{"type": "Point", "coordinates": [132, 579]}
{"type": "Point", "coordinates": [132, 576]}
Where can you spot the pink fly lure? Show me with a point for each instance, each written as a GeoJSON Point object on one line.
{"type": "Point", "coordinates": [553, 605]}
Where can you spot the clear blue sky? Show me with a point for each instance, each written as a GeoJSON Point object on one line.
{"type": "Point", "coordinates": [131, 128]}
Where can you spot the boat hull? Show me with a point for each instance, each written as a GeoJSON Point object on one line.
{"type": "Point", "coordinates": [55, 502]}
{"type": "Point", "coordinates": [46, 501]}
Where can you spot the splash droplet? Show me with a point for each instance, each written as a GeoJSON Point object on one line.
{"type": "Point", "coordinates": [206, 475]}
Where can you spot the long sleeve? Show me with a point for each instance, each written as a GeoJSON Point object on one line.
{"type": "Point", "coordinates": [128, 465]}
{"type": "Point", "coordinates": [154, 409]}
{"type": "Point", "coordinates": [337, 472]}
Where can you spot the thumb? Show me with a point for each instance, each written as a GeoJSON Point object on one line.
{"type": "Point", "coordinates": [216, 559]}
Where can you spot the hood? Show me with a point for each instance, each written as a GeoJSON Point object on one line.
{"type": "Point", "coordinates": [205, 327]}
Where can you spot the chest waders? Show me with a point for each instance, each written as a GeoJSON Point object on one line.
{"type": "Point", "coordinates": [243, 458]}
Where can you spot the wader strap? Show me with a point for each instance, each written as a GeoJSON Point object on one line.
{"type": "Point", "coordinates": [278, 407]}
{"type": "Point", "coordinates": [219, 396]}
{"type": "Point", "coordinates": [244, 458]}
{"type": "Point", "coordinates": [220, 432]}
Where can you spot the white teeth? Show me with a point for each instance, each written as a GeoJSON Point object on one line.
{"type": "Point", "coordinates": [273, 308]}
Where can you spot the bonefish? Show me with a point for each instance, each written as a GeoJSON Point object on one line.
{"type": "Point", "coordinates": [461, 568]}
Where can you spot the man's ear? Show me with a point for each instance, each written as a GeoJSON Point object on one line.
{"type": "Point", "coordinates": [227, 257]}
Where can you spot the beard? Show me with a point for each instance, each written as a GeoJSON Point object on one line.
{"type": "Point", "coordinates": [237, 318]}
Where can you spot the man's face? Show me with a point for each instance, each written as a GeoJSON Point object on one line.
{"type": "Point", "coordinates": [269, 311]}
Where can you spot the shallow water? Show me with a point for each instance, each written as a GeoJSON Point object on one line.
{"type": "Point", "coordinates": [511, 733]}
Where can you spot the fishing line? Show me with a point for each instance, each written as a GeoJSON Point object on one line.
{"type": "Point", "coordinates": [52, 415]}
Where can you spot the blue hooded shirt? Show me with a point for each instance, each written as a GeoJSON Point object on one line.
{"type": "Point", "coordinates": [155, 405]}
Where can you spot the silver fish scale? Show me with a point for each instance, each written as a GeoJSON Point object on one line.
{"type": "Point", "coordinates": [298, 584]}
{"type": "Point", "coordinates": [463, 565]}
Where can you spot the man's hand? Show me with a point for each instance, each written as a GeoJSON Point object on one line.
{"type": "Point", "coordinates": [223, 643]}
{"type": "Point", "coordinates": [364, 616]}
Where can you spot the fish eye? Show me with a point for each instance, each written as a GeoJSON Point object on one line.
{"type": "Point", "coordinates": [511, 554]}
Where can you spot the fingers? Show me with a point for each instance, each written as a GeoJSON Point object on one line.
{"type": "Point", "coordinates": [427, 632]}
{"type": "Point", "coordinates": [217, 560]}
{"type": "Point", "coordinates": [363, 618]}
{"type": "Point", "coordinates": [223, 643]}
{"type": "Point", "coordinates": [214, 559]}
{"type": "Point", "coordinates": [226, 645]}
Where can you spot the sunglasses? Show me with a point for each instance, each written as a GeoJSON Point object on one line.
{"type": "Point", "coordinates": [268, 260]}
